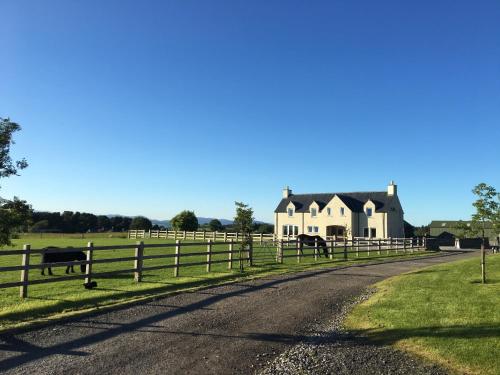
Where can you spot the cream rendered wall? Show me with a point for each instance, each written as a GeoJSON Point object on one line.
{"type": "Point", "coordinates": [377, 221]}
{"type": "Point", "coordinates": [322, 220]}
{"type": "Point", "coordinates": [283, 219]}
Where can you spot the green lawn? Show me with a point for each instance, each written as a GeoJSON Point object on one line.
{"type": "Point", "coordinates": [442, 313]}
{"type": "Point", "coordinates": [66, 297]}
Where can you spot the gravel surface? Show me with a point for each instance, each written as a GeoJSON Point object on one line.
{"type": "Point", "coordinates": [232, 329]}
{"type": "Point", "coordinates": [332, 350]}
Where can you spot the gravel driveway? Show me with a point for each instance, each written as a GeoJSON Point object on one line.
{"type": "Point", "coordinates": [238, 328]}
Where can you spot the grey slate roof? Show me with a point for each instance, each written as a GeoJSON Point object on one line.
{"type": "Point", "coordinates": [355, 201]}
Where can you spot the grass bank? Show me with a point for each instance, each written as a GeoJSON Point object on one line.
{"type": "Point", "coordinates": [442, 313]}
{"type": "Point", "coordinates": [54, 300]}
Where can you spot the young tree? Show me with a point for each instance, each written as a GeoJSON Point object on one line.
{"type": "Point", "coordinates": [141, 223]}
{"type": "Point", "coordinates": [215, 225]}
{"type": "Point", "coordinates": [243, 223]}
{"type": "Point", "coordinates": [487, 210]}
{"type": "Point", "coordinates": [185, 220]}
{"type": "Point", "coordinates": [10, 212]}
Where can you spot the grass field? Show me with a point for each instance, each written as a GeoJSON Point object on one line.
{"type": "Point", "coordinates": [66, 297]}
{"type": "Point", "coordinates": [442, 313]}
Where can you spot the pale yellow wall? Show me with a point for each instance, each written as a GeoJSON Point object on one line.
{"type": "Point", "coordinates": [388, 224]}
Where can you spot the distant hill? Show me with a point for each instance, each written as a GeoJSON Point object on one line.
{"type": "Point", "coordinates": [201, 221]}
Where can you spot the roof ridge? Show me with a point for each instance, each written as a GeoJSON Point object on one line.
{"type": "Point", "coordinates": [349, 192]}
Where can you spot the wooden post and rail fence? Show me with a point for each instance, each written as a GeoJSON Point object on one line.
{"type": "Point", "coordinates": [179, 254]}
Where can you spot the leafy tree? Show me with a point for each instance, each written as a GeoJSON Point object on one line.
{"type": "Point", "coordinates": [264, 228]}
{"type": "Point", "coordinates": [215, 225]}
{"type": "Point", "coordinates": [422, 231]}
{"type": "Point", "coordinates": [487, 208]}
{"type": "Point", "coordinates": [8, 167]}
{"type": "Point", "coordinates": [185, 220]}
{"type": "Point", "coordinates": [141, 223]}
{"type": "Point", "coordinates": [40, 226]}
{"type": "Point", "coordinates": [13, 214]}
{"type": "Point", "coordinates": [243, 222]}
{"type": "Point", "coordinates": [466, 230]}
{"type": "Point", "coordinates": [103, 223]}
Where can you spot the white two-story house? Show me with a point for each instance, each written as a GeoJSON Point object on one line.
{"type": "Point", "coordinates": [376, 214]}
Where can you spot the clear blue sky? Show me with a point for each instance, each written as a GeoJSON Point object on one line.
{"type": "Point", "coordinates": [152, 107]}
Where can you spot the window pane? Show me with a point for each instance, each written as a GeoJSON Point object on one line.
{"type": "Point", "coordinates": [368, 212]}
{"type": "Point", "coordinates": [296, 230]}
{"type": "Point", "coordinates": [309, 229]}
{"type": "Point", "coordinates": [290, 212]}
{"type": "Point", "coordinates": [373, 232]}
{"type": "Point", "coordinates": [285, 230]}
{"type": "Point", "coordinates": [315, 229]}
{"type": "Point", "coordinates": [342, 211]}
{"type": "Point", "coordinates": [313, 212]}
{"type": "Point", "coordinates": [365, 232]}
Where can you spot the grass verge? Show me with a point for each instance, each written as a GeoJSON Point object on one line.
{"type": "Point", "coordinates": [442, 313]}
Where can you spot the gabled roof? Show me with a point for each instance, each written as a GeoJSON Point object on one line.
{"type": "Point", "coordinates": [354, 201]}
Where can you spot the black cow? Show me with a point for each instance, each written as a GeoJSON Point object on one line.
{"type": "Point", "coordinates": [52, 255]}
{"type": "Point", "coordinates": [304, 239]}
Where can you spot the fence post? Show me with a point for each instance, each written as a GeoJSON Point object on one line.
{"type": "Point", "coordinates": [214, 236]}
{"type": "Point", "coordinates": [175, 234]}
{"type": "Point", "coordinates": [209, 255]}
{"type": "Point", "coordinates": [184, 235]}
{"type": "Point", "coordinates": [279, 255]}
{"type": "Point", "coordinates": [369, 245]}
{"type": "Point", "coordinates": [225, 236]}
{"type": "Point", "coordinates": [90, 256]}
{"type": "Point", "coordinates": [236, 236]}
{"type": "Point", "coordinates": [357, 246]}
{"type": "Point", "coordinates": [250, 252]}
{"type": "Point", "coordinates": [379, 246]}
{"type": "Point", "coordinates": [177, 256]}
{"type": "Point", "coordinates": [404, 244]}
{"type": "Point", "coordinates": [230, 255]}
{"type": "Point", "coordinates": [261, 238]}
{"type": "Point", "coordinates": [23, 291]}
{"type": "Point", "coordinates": [345, 249]}
{"type": "Point", "coordinates": [139, 250]}
{"type": "Point", "coordinates": [331, 250]}
{"type": "Point", "coordinates": [298, 246]}
{"type": "Point", "coordinates": [315, 249]}
{"type": "Point", "coordinates": [128, 234]}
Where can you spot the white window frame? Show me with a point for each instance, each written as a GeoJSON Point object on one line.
{"type": "Point", "coordinates": [309, 229]}
{"type": "Point", "coordinates": [290, 210]}
{"type": "Point", "coordinates": [313, 209]}
{"type": "Point", "coordinates": [342, 211]}
{"type": "Point", "coordinates": [369, 212]}
{"type": "Point", "coordinates": [329, 211]}
{"type": "Point", "coordinates": [316, 229]}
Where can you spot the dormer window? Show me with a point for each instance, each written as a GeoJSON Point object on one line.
{"type": "Point", "coordinates": [329, 211]}
{"type": "Point", "coordinates": [313, 212]}
{"type": "Point", "coordinates": [290, 212]}
{"type": "Point", "coordinates": [368, 212]}
{"type": "Point", "coordinates": [342, 211]}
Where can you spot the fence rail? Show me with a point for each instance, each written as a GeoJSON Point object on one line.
{"type": "Point", "coordinates": [270, 252]}
{"type": "Point", "coordinates": [197, 235]}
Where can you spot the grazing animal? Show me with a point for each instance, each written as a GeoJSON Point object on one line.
{"type": "Point", "coordinates": [304, 239]}
{"type": "Point", "coordinates": [52, 255]}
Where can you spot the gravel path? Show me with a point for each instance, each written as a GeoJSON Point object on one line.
{"type": "Point", "coordinates": [237, 328]}
{"type": "Point", "coordinates": [332, 350]}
